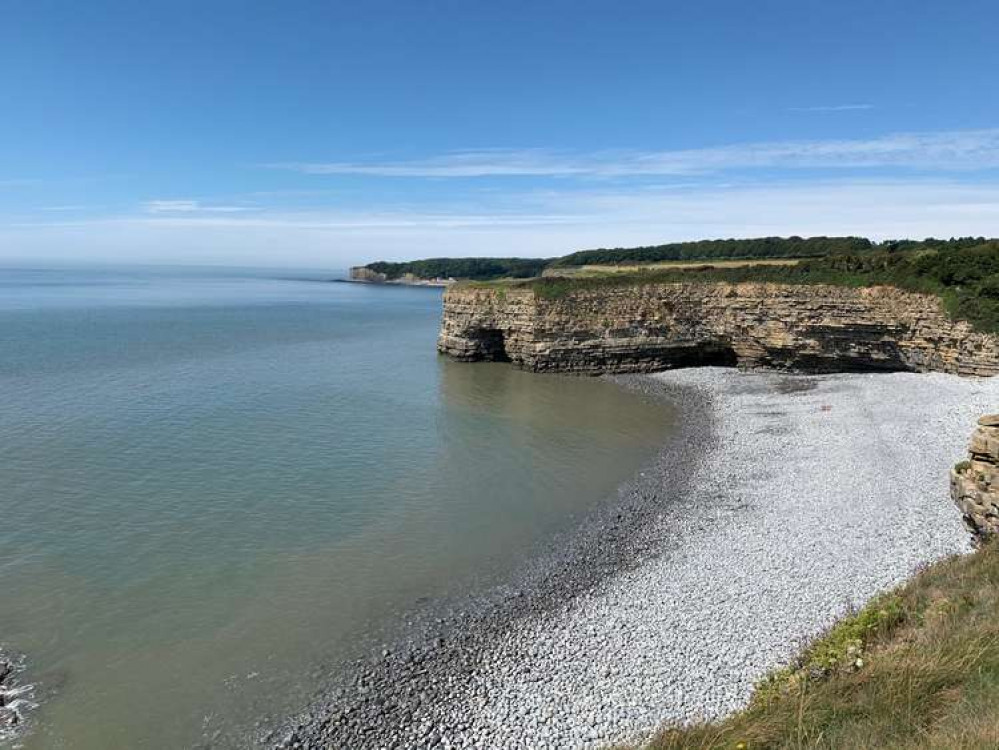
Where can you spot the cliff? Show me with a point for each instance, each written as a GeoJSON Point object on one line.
{"type": "Point", "coordinates": [657, 326]}
{"type": "Point", "coordinates": [370, 276]}
{"type": "Point", "coordinates": [363, 273]}
{"type": "Point", "coordinates": [974, 484]}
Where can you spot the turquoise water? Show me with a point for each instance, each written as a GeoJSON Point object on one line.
{"type": "Point", "coordinates": [213, 483]}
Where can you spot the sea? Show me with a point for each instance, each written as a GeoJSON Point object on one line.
{"type": "Point", "coordinates": [218, 485]}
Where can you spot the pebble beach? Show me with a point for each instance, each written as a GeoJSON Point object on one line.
{"type": "Point", "coordinates": [785, 502]}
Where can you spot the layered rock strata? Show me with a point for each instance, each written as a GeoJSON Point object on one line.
{"type": "Point", "coordinates": [650, 327]}
{"type": "Point", "coordinates": [974, 484]}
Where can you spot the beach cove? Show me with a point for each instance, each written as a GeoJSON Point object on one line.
{"type": "Point", "coordinates": [542, 561]}
{"type": "Point", "coordinates": [782, 503]}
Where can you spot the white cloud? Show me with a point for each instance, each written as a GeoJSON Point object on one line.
{"type": "Point", "coordinates": [489, 162]}
{"type": "Point", "coordinates": [188, 206]}
{"type": "Point", "coordinates": [534, 223]}
{"type": "Point", "coordinates": [953, 150]}
{"type": "Point", "coordinates": [832, 108]}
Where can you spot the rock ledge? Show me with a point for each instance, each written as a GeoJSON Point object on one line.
{"type": "Point", "coordinates": [974, 484]}
{"type": "Point", "coordinates": [658, 326]}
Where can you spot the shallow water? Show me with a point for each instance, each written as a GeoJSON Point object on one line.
{"type": "Point", "coordinates": [214, 483]}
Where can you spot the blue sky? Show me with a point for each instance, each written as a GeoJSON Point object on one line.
{"type": "Point", "coordinates": [327, 133]}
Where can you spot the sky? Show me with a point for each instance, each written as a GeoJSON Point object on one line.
{"type": "Point", "coordinates": [324, 134]}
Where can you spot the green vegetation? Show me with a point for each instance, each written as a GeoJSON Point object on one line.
{"type": "Point", "coordinates": [965, 274]}
{"type": "Point", "coordinates": [485, 269]}
{"type": "Point", "coordinates": [964, 271]}
{"type": "Point", "coordinates": [762, 247]}
{"type": "Point", "coordinates": [716, 251]}
{"type": "Point", "coordinates": [917, 669]}
{"type": "Point", "coordinates": [463, 268]}
{"type": "Point", "coordinates": [603, 270]}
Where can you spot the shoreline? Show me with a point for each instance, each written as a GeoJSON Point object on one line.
{"type": "Point", "coordinates": [395, 282]}
{"type": "Point", "coordinates": [782, 503]}
{"type": "Point", "coordinates": [401, 697]}
{"type": "Point", "coordinates": [16, 698]}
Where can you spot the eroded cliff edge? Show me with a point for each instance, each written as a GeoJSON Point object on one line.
{"type": "Point", "coordinates": [658, 326]}
{"type": "Point", "coordinates": [974, 483]}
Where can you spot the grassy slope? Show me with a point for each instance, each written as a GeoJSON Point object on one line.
{"type": "Point", "coordinates": [966, 278]}
{"type": "Point", "coordinates": [604, 270]}
{"type": "Point", "coordinates": [917, 669]}
{"type": "Point", "coordinates": [721, 252]}
{"type": "Point", "coordinates": [963, 272]}
{"type": "Point", "coordinates": [482, 269]}
{"type": "Point", "coordinates": [711, 250]}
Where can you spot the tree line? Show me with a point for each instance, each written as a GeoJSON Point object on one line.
{"type": "Point", "coordinates": [480, 269]}
{"type": "Point", "coordinates": [857, 253]}
{"type": "Point", "coordinates": [964, 272]}
{"type": "Point", "coordinates": [731, 249]}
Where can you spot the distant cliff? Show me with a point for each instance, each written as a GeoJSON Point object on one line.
{"type": "Point", "coordinates": [367, 275]}
{"type": "Point", "coordinates": [440, 271]}
{"type": "Point", "coordinates": [363, 273]}
{"type": "Point", "coordinates": [656, 326]}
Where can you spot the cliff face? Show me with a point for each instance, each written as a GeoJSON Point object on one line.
{"type": "Point", "coordinates": [974, 484]}
{"type": "Point", "coordinates": [361, 273]}
{"type": "Point", "coordinates": [661, 326]}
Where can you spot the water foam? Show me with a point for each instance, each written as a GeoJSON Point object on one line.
{"type": "Point", "coordinates": [16, 699]}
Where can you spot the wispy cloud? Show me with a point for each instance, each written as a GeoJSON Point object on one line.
{"type": "Point", "coordinates": [482, 163]}
{"type": "Point", "coordinates": [719, 205]}
{"type": "Point", "coordinates": [832, 108]}
{"type": "Point", "coordinates": [188, 207]}
{"type": "Point", "coordinates": [351, 221]}
{"type": "Point", "coordinates": [14, 183]}
{"type": "Point", "coordinates": [542, 223]}
{"type": "Point", "coordinates": [943, 151]}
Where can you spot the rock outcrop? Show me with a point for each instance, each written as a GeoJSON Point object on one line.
{"type": "Point", "coordinates": [649, 327]}
{"type": "Point", "coordinates": [14, 699]}
{"type": "Point", "coordinates": [974, 484]}
{"type": "Point", "coordinates": [363, 273]}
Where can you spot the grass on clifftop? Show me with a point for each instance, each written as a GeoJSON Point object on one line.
{"type": "Point", "coordinates": [918, 669]}
{"type": "Point", "coordinates": [965, 278]}
{"type": "Point", "coordinates": [711, 250]}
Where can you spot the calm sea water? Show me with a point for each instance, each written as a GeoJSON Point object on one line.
{"type": "Point", "coordinates": [213, 483]}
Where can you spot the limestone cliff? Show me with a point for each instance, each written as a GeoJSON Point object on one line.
{"type": "Point", "coordinates": [362, 273]}
{"type": "Point", "coordinates": [656, 326]}
{"type": "Point", "coordinates": [974, 484]}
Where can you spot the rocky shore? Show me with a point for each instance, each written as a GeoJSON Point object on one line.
{"type": "Point", "coordinates": [785, 502]}
{"type": "Point", "coordinates": [15, 697]}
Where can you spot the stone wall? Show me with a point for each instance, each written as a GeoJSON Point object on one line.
{"type": "Point", "coordinates": [974, 484]}
{"type": "Point", "coordinates": [643, 328]}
